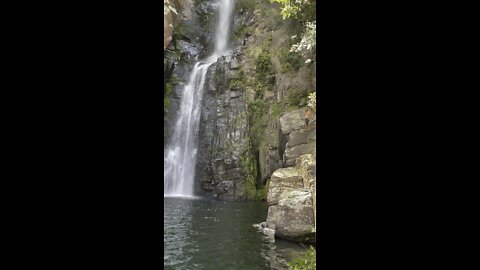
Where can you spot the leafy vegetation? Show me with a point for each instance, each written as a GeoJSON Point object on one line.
{"type": "Point", "coordinates": [237, 82]}
{"type": "Point", "coordinates": [168, 93]}
{"type": "Point", "coordinates": [167, 100]}
{"type": "Point", "coordinates": [277, 110]}
{"type": "Point", "coordinates": [290, 61]}
{"type": "Point", "coordinates": [308, 42]}
{"type": "Point", "coordinates": [307, 262]}
{"type": "Point", "coordinates": [245, 5]}
{"type": "Point", "coordinates": [304, 11]}
{"type": "Point", "coordinates": [257, 112]}
{"type": "Point", "coordinates": [264, 74]}
{"type": "Point", "coordinates": [254, 192]}
{"type": "Point", "coordinates": [272, 16]}
{"type": "Point", "coordinates": [181, 32]}
{"type": "Point", "coordinates": [240, 32]}
{"type": "Point", "coordinates": [261, 194]}
{"type": "Point", "coordinates": [297, 97]}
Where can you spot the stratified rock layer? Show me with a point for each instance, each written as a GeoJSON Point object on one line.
{"type": "Point", "coordinates": [291, 192]}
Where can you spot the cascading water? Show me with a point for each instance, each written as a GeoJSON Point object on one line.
{"type": "Point", "coordinates": [181, 154]}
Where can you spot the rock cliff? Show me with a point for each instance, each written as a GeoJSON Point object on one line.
{"type": "Point", "coordinates": [292, 190]}
{"type": "Point", "coordinates": [252, 140]}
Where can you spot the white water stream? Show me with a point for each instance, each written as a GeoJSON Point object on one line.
{"type": "Point", "coordinates": [181, 151]}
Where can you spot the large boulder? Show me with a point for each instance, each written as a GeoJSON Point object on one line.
{"type": "Point", "coordinates": [300, 137]}
{"type": "Point", "coordinates": [292, 153]}
{"type": "Point", "coordinates": [301, 140]}
{"type": "Point", "coordinates": [293, 218]}
{"type": "Point", "coordinates": [292, 121]}
{"type": "Point", "coordinates": [283, 181]}
{"type": "Point", "coordinates": [306, 165]}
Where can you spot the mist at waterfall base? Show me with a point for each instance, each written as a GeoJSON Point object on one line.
{"type": "Point", "coordinates": [203, 233]}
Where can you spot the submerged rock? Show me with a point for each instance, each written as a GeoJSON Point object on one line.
{"type": "Point", "coordinates": [262, 227]}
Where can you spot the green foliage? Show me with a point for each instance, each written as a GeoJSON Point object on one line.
{"type": "Point", "coordinates": [166, 101]}
{"type": "Point", "coordinates": [303, 10]}
{"type": "Point", "coordinates": [264, 74]}
{"type": "Point", "coordinates": [297, 97]}
{"type": "Point", "coordinates": [307, 262]}
{"type": "Point", "coordinates": [277, 110]}
{"type": "Point", "coordinates": [245, 5]}
{"type": "Point", "coordinates": [251, 189]}
{"type": "Point", "coordinates": [237, 82]}
{"type": "Point", "coordinates": [249, 165]}
{"type": "Point", "coordinates": [261, 194]}
{"type": "Point", "coordinates": [167, 94]}
{"type": "Point", "coordinates": [257, 112]}
{"type": "Point", "coordinates": [290, 61]}
{"type": "Point", "coordinates": [181, 31]}
{"type": "Point", "coordinates": [258, 108]}
{"type": "Point", "coordinates": [272, 18]}
{"type": "Point", "coordinates": [240, 32]}
{"type": "Point", "coordinates": [308, 42]}
{"type": "Point", "coordinates": [207, 20]}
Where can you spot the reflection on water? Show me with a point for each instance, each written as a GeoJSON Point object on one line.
{"type": "Point", "coordinates": [210, 234]}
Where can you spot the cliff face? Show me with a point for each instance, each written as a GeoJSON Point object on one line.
{"type": "Point", "coordinates": [224, 156]}
{"type": "Point", "coordinates": [171, 20]}
{"type": "Point", "coordinates": [252, 119]}
{"type": "Point", "coordinates": [292, 190]}
{"type": "Point", "coordinates": [224, 153]}
{"type": "Point", "coordinates": [190, 40]}
{"type": "Point", "coordinates": [241, 138]}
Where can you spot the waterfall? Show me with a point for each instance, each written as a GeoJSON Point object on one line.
{"type": "Point", "coordinates": [181, 152]}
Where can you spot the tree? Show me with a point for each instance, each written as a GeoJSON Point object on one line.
{"type": "Point", "coordinates": [304, 11]}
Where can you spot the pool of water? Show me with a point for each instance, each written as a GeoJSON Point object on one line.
{"type": "Point", "coordinates": [201, 233]}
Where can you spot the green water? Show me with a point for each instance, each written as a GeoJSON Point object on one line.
{"type": "Point", "coordinates": [211, 234]}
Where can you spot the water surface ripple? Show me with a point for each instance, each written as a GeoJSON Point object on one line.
{"type": "Point", "coordinates": [211, 234]}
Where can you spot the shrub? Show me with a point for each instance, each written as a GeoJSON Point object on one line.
{"type": "Point", "coordinates": [245, 5]}
{"type": "Point", "coordinates": [277, 110]}
{"type": "Point", "coordinates": [307, 262]}
{"type": "Point", "coordinates": [261, 193]}
{"type": "Point", "coordinates": [237, 82]}
{"type": "Point", "coordinates": [290, 61]}
{"type": "Point", "coordinates": [297, 97]}
{"type": "Point", "coordinates": [273, 19]}
{"type": "Point", "coordinates": [264, 69]}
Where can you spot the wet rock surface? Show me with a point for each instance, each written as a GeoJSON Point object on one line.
{"type": "Point", "coordinates": [223, 135]}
